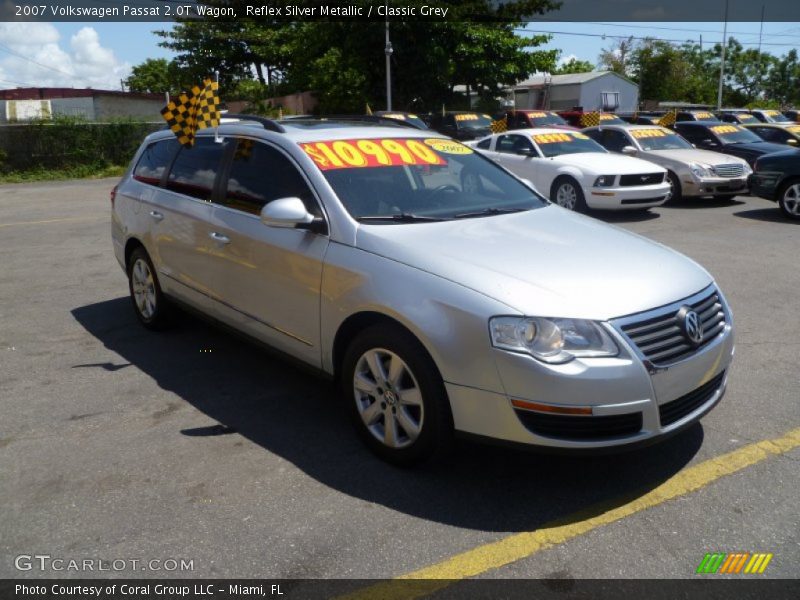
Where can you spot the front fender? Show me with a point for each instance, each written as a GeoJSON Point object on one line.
{"type": "Point", "coordinates": [450, 320]}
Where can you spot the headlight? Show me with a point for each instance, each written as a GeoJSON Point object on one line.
{"type": "Point", "coordinates": [604, 181]}
{"type": "Point", "coordinates": [551, 340]}
{"type": "Point", "coordinates": [747, 169]}
{"type": "Point", "coordinates": [700, 171]}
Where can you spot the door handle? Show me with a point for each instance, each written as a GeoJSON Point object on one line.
{"type": "Point", "coordinates": [156, 215]}
{"type": "Point", "coordinates": [218, 237]}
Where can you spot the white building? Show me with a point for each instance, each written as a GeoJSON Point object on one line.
{"type": "Point", "coordinates": [597, 90]}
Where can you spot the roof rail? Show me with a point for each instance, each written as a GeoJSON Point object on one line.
{"type": "Point", "coordinates": [265, 122]}
{"type": "Point", "coordinates": [361, 118]}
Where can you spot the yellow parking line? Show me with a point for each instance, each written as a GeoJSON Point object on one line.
{"type": "Point", "coordinates": [50, 221]}
{"type": "Point", "coordinates": [522, 545]}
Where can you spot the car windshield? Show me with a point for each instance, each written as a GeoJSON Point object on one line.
{"type": "Point", "coordinates": [408, 180]}
{"type": "Point", "coordinates": [777, 117]}
{"type": "Point", "coordinates": [609, 119]}
{"type": "Point", "coordinates": [545, 118]}
{"type": "Point", "coordinates": [733, 134]}
{"type": "Point", "coordinates": [705, 116]}
{"type": "Point", "coordinates": [407, 117]}
{"type": "Point", "coordinates": [556, 144]}
{"type": "Point", "coordinates": [472, 121]}
{"type": "Point", "coordinates": [747, 118]}
{"type": "Point", "coordinates": [659, 139]}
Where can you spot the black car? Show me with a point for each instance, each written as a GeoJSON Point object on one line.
{"type": "Point", "coordinates": [728, 138]}
{"type": "Point", "coordinates": [405, 117]}
{"type": "Point", "coordinates": [694, 115]}
{"type": "Point", "coordinates": [776, 177]}
{"type": "Point", "coordinates": [462, 125]}
{"type": "Point", "coordinates": [738, 116]}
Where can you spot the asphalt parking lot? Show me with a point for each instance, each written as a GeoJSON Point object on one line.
{"type": "Point", "coordinates": [118, 443]}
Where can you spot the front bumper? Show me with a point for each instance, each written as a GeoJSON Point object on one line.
{"type": "Point", "coordinates": [626, 197]}
{"type": "Point", "coordinates": [714, 186]}
{"type": "Point", "coordinates": [631, 401]}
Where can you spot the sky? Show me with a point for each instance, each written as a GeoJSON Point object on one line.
{"type": "Point", "coordinates": [100, 55]}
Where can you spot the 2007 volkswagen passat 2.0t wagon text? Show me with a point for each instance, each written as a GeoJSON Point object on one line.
{"type": "Point", "coordinates": [442, 293]}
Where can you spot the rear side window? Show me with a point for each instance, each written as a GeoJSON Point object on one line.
{"type": "Point", "coordinates": [260, 174]}
{"type": "Point", "coordinates": [195, 169]}
{"type": "Point", "coordinates": [154, 161]}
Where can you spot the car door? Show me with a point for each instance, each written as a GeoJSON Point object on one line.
{"type": "Point", "coordinates": [268, 278]}
{"type": "Point", "coordinates": [517, 153]}
{"type": "Point", "coordinates": [180, 215]}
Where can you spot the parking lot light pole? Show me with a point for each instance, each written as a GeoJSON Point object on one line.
{"type": "Point", "coordinates": [722, 63]}
{"type": "Point", "coordinates": [388, 50]}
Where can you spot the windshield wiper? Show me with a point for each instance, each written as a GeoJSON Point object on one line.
{"type": "Point", "coordinates": [488, 211]}
{"type": "Point", "coordinates": [400, 217]}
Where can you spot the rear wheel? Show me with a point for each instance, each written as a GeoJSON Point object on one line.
{"type": "Point", "coordinates": [148, 301]}
{"type": "Point", "coordinates": [568, 194]}
{"type": "Point", "coordinates": [396, 396]}
{"type": "Point", "coordinates": [789, 199]}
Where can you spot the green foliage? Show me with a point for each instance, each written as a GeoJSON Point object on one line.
{"type": "Point", "coordinates": [69, 143]}
{"type": "Point", "coordinates": [344, 62]}
{"type": "Point", "coordinates": [573, 65]}
{"type": "Point", "coordinates": [158, 75]}
{"type": "Point", "coordinates": [688, 73]}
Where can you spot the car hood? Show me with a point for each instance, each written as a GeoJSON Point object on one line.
{"type": "Point", "coordinates": [544, 262]}
{"type": "Point", "coordinates": [607, 164]}
{"type": "Point", "coordinates": [689, 155]}
{"type": "Point", "coordinates": [756, 147]}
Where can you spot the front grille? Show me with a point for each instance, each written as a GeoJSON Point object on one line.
{"type": "Point", "coordinates": [677, 409]}
{"type": "Point", "coordinates": [660, 338]}
{"type": "Point", "coordinates": [585, 428]}
{"type": "Point", "coordinates": [641, 179]}
{"type": "Point", "coordinates": [729, 170]}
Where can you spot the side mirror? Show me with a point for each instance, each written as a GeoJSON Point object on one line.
{"type": "Point", "coordinates": [530, 152]}
{"type": "Point", "coordinates": [287, 213]}
{"type": "Point", "coordinates": [629, 150]}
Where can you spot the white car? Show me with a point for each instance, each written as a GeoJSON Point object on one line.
{"type": "Point", "coordinates": [576, 172]}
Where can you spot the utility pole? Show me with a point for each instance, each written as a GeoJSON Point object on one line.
{"type": "Point", "coordinates": [388, 50]}
{"type": "Point", "coordinates": [760, 31]}
{"type": "Point", "coordinates": [722, 63]}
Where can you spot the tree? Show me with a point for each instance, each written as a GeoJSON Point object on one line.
{"type": "Point", "coordinates": [782, 83]}
{"type": "Point", "coordinates": [155, 75]}
{"type": "Point", "coordinates": [343, 61]}
{"type": "Point", "coordinates": [573, 65]}
{"type": "Point", "coordinates": [616, 57]}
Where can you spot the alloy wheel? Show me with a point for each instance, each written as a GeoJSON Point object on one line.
{"type": "Point", "coordinates": [388, 398]}
{"type": "Point", "coordinates": [144, 288]}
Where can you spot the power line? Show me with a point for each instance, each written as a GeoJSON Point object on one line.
{"type": "Point", "coordinates": [5, 48]}
{"type": "Point", "coordinates": [649, 37]}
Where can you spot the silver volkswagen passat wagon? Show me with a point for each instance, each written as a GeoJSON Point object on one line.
{"type": "Point", "coordinates": [441, 292]}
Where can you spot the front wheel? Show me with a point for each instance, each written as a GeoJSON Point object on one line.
{"type": "Point", "coordinates": [675, 191]}
{"type": "Point", "coordinates": [568, 194]}
{"type": "Point", "coordinates": [789, 199]}
{"type": "Point", "coordinates": [396, 396]}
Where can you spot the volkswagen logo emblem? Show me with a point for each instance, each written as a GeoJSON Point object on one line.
{"type": "Point", "coordinates": [691, 325]}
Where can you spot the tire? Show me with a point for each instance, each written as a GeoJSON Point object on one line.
{"type": "Point", "coordinates": [148, 301]}
{"type": "Point", "coordinates": [789, 199]}
{"type": "Point", "coordinates": [387, 377]}
{"type": "Point", "coordinates": [676, 192]}
{"type": "Point", "coordinates": [567, 193]}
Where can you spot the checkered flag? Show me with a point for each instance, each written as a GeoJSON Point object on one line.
{"type": "Point", "coordinates": [197, 110]}
{"type": "Point", "coordinates": [591, 119]}
{"type": "Point", "coordinates": [668, 120]}
{"type": "Point", "coordinates": [500, 125]}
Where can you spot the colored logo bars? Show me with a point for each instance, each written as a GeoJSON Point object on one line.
{"type": "Point", "coordinates": [738, 562]}
{"type": "Point", "coordinates": [197, 110]}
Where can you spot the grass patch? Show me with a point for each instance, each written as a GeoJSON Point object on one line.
{"type": "Point", "coordinates": [77, 172]}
